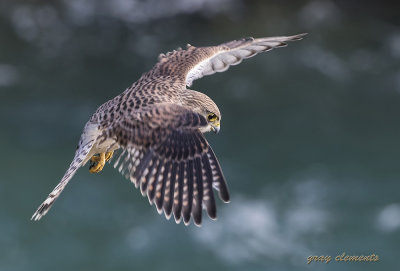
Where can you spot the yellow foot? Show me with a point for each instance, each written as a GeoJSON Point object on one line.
{"type": "Point", "coordinates": [98, 163]}
{"type": "Point", "coordinates": [109, 155]}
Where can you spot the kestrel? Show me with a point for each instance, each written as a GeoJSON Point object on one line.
{"type": "Point", "coordinates": [159, 124]}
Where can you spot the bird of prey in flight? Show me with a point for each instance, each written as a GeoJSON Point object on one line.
{"type": "Point", "coordinates": [159, 123]}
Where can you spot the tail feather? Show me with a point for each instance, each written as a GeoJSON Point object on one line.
{"type": "Point", "coordinates": [78, 161]}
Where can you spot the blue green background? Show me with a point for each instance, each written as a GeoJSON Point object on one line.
{"type": "Point", "coordinates": [309, 141]}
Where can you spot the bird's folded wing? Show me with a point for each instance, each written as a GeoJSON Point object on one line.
{"type": "Point", "coordinates": [168, 157]}
{"type": "Point", "coordinates": [194, 63]}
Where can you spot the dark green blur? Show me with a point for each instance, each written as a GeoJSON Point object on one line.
{"type": "Point", "coordinates": [309, 139]}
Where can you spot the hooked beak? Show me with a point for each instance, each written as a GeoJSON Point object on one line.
{"type": "Point", "coordinates": [215, 127]}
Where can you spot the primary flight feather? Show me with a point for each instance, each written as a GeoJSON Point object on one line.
{"type": "Point", "coordinates": [159, 124]}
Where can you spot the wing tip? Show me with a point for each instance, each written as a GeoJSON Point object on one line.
{"type": "Point", "coordinates": [212, 213]}
{"type": "Point", "coordinates": [177, 217]}
{"type": "Point", "coordinates": [39, 213]}
{"type": "Point", "coordinates": [224, 193]}
{"type": "Point", "coordinates": [167, 215]}
{"type": "Point", "coordinates": [42, 210]}
{"type": "Point", "coordinates": [297, 37]}
{"type": "Point", "coordinates": [187, 223]}
{"type": "Point", "coordinates": [36, 216]}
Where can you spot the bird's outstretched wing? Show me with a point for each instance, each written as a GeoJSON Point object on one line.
{"type": "Point", "coordinates": [185, 66]}
{"type": "Point", "coordinates": [168, 157]}
{"type": "Point", "coordinates": [85, 145]}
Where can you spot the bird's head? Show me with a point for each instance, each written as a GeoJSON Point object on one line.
{"type": "Point", "coordinates": [213, 120]}
{"type": "Point", "coordinates": [203, 105]}
{"type": "Point", "coordinates": [211, 112]}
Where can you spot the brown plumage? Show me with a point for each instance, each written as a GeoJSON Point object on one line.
{"type": "Point", "coordinates": [159, 124]}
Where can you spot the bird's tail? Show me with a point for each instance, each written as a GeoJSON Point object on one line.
{"type": "Point", "coordinates": [79, 160]}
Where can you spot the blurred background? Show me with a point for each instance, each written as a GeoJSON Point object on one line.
{"type": "Point", "coordinates": [309, 142]}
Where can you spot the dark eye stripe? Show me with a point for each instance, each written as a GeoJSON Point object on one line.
{"type": "Point", "coordinates": [211, 117]}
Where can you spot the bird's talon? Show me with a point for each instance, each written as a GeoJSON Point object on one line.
{"type": "Point", "coordinates": [95, 159]}
{"type": "Point", "coordinates": [109, 155]}
{"type": "Point", "coordinates": [98, 163]}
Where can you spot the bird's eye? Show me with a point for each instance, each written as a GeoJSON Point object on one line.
{"type": "Point", "coordinates": [212, 117]}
